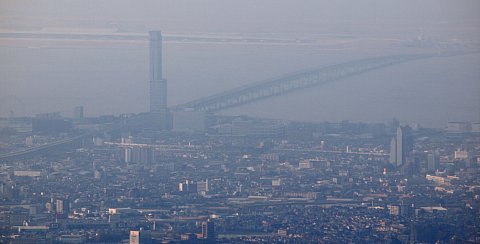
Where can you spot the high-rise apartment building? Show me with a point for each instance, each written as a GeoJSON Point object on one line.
{"type": "Point", "coordinates": [401, 145]}
{"type": "Point", "coordinates": [208, 230]}
{"type": "Point", "coordinates": [400, 158]}
{"type": "Point", "coordinates": [433, 161]}
{"type": "Point", "coordinates": [202, 187]}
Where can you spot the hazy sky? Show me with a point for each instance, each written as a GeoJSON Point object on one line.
{"type": "Point", "coordinates": [50, 75]}
{"type": "Point", "coordinates": [254, 15]}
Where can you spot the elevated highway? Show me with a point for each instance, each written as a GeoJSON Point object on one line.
{"type": "Point", "coordinates": [42, 148]}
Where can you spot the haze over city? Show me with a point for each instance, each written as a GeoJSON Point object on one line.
{"type": "Point", "coordinates": [224, 121]}
{"type": "Point", "coordinates": [108, 76]}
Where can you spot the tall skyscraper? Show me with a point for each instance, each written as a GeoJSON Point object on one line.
{"type": "Point", "coordinates": [158, 85]}
{"type": "Point", "coordinates": [433, 160]}
{"type": "Point", "coordinates": [401, 145]}
{"type": "Point", "coordinates": [128, 155]}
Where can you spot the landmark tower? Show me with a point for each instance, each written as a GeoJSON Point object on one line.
{"type": "Point", "coordinates": [158, 85]}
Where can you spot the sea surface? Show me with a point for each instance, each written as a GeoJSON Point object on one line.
{"type": "Point", "coordinates": [111, 77]}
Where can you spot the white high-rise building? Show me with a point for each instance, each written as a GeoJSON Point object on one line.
{"type": "Point", "coordinates": [400, 146]}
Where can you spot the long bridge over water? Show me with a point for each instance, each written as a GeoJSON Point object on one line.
{"type": "Point", "coordinates": [293, 82]}
{"type": "Point", "coordinates": [263, 90]}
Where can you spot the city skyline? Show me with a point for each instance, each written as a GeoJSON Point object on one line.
{"type": "Point", "coordinates": [226, 121]}
{"type": "Point", "coordinates": [208, 59]}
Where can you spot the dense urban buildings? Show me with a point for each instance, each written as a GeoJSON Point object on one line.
{"type": "Point", "coordinates": [187, 175]}
{"type": "Point", "coordinates": [308, 182]}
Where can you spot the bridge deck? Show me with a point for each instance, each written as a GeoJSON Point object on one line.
{"type": "Point", "coordinates": [293, 81]}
